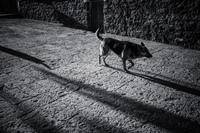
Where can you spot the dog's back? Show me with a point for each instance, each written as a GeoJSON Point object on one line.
{"type": "Point", "coordinates": [132, 50]}
{"type": "Point", "coordinates": [124, 49]}
{"type": "Point", "coordinates": [115, 45]}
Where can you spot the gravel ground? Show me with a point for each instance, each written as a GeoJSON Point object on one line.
{"type": "Point", "coordinates": [51, 81]}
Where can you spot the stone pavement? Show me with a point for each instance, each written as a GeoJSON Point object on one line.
{"type": "Point", "coordinates": [50, 81]}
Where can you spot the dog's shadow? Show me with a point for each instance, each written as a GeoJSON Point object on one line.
{"type": "Point", "coordinates": [170, 84]}
{"type": "Point", "coordinates": [131, 107]}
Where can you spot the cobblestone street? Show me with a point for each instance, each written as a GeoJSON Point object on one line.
{"type": "Point", "coordinates": [51, 82]}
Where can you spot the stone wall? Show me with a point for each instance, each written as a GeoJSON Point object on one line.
{"type": "Point", "coordinates": [167, 21]}
{"type": "Point", "coordinates": [71, 13]}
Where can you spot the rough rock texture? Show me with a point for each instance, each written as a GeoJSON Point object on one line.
{"type": "Point", "coordinates": [166, 21]}
{"type": "Point", "coordinates": [71, 13]}
{"type": "Point", "coordinates": [78, 95]}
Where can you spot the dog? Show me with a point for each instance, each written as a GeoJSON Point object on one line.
{"type": "Point", "coordinates": [126, 50]}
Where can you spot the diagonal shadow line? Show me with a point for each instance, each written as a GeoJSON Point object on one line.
{"type": "Point", "coordinates": [42, 124]}
{"type": "Point", "coordinates": [67, 21]}
{"type": "Point", "coordinates": [23, 56]}
{"type": "Point", "coordinates": [163, 82]}
{"type": "Point", "coordinates": [135, 109]}
{"type": "Point", "coordinates": [39, 123]}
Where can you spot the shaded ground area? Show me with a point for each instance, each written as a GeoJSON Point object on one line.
{"type": "Point", "coordinates": [50, 81]}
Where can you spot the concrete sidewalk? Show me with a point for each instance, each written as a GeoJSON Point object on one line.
{"type": "Point", "coordinates": [50, 81]}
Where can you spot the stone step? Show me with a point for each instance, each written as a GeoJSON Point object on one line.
{"type": "Point", "coordinates": [14, 15]}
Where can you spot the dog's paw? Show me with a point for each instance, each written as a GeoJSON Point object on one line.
{"type": "Point", "coordinates": [106, 65]}
{"type": "Point", "coordinates": [127, 71]}
{"type": "Point", "coordinates": [130, 66]}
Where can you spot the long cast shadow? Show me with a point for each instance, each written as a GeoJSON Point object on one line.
{"type": "Point", "coordinates": [62, 18]}
{"type": "Point", "coordinates": [164, 82]}
{"type": "Point", "coordinates": [68, 21]}
{"type": "Point", "coordinates": [24, 56]}
{"type": "Point", "coordinates": [43, 124]}
{"type": "Point", "coordinates": [133, 108]}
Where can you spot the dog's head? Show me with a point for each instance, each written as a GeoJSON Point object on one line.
{"type": "Point", "coordinates": [144, 51]}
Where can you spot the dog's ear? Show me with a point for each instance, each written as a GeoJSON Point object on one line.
{"type": "Point", "coordinates": [142, 44]}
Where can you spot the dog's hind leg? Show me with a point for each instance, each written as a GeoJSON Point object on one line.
{"type": "Point", "coordinates": [124, 65]}
{"type": "Point", "coordinates": [104, 60]}
{"type": "Point", "coordinates": [104, 52]}
{"type": "Point", "coordinates": [132, 64]}
{"type": "Point", "coordinates": [99, 59]}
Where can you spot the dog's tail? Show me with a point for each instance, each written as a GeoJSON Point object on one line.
{"type": "Point", "coordinates": [97, 34]}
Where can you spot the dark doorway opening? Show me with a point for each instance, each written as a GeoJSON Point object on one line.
{"type": "Point", "coordinates": [8, 7]}
{"type": "Point", "coordinates": [95, 15]}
